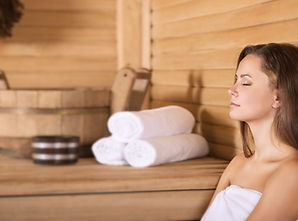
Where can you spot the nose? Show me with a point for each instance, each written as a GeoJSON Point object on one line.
{"type": "Point", "coordinates": [232, 91]}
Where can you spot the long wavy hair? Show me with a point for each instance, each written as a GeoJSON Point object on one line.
{"type": "Point", "coordinates": [10, 13]}
{"type": "Point", "coordinates": [280, 64]}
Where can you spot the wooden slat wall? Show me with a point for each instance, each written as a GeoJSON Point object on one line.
{"type": "Point", "coordinates": [195, 45]}
{"type": "Point", "coordinates": [62, 44]}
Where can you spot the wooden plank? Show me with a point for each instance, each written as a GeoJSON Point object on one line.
{"type": "Point", "coordinates": [67, 19]}
{"type": "Point", "coordinates": [176, 93]}
{"type": "Point", "coordinates": [194, 78]}
{"type": "Point", "coordinates": [276, 11]}
{"type": "Point", "coordinates": [224, 151]}
{"type": "Point", "coordinates": [224, 135]}
{"type": "Point", "coordinates": [193, 108]}
{"type": "Point", "coordinates": [60, 79]}
{"type": "Point", "coordinates": [173, 205]}
{"type": "Point", "coordinates": [194, 8]}
{"type": "Point", "coordinates": [146, 34]}
{"type": "Point", "coordinates": [102, 6]}
{"type": "Point", "coordinates": [45, 48]}
{"type": "Point", "coordinates": [22, 177]}
{"type": "Point", "coordinates": [216, 115]}
{"type": "Point", "coordinates": [219, 59]}
{"type": "Point", "coordinates": [55, 63]}
{"type": "Point", "coordinates": [21, 34]}
{"type": "Point", "coordinates": [121, 90]}
{"type": "Point", "coordinates": [229, 39]}
{"type": "Point", "coordinates": [8, 124]}
{"type": "Point", "coordinates": [208, 114]}
{"type": "Point", "coordinates": [129, 38]}
{"type": "Point", "coordinates": [210, 96]}
{"type": "Point", "coordinates": [156, 4]}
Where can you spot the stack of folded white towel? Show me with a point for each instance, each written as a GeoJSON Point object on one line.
{"type": "Point", "coordinates": [150, 137]}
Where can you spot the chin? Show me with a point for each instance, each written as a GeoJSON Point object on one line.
{"type": "Point", "coordinates": [235, 116]}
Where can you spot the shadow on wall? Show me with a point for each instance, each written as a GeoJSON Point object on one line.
{"type": "Point", "coordinates": [213, 121]}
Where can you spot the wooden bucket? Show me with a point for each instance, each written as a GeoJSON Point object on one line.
{"type": "Point", "coordinates": [71, 112]}
{"type": "Point", "coordinates": [55, 150]}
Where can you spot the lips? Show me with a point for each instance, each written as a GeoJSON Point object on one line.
{"type": "Point", "coordinates": [232, 104]}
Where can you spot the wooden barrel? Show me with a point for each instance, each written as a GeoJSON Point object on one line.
{"type": "Point", "coordinates": [71, 112]}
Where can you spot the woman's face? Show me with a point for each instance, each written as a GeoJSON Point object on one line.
{"type": "Point", "coordinates": [252, 97]}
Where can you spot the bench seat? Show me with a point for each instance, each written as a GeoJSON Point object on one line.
{"type": "Point", "coordinates": [91, 191]}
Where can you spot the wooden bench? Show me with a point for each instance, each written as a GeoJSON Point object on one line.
{"type": "Point", "coordinates": [90, 191]}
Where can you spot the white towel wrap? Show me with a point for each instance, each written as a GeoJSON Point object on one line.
{"type": "Point", "coordinates": [232, 204]}
{"type": "Point", "coordinates": [109, 151]}
{"type": "Point", "coordinates": [155, 151]}
{"type": "Point", "coordinates": [165, 121]}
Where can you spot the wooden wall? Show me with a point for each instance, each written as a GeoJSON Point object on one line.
{"type": "Point", "coordinates": [195, 45]}
{"type": "Point", "coordinates": [62, 44]}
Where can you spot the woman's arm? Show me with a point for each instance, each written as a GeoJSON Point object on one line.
{"type": "Point", "coordinates": [279, 200]}
{"type": "Point", "coordinates": [225, 178]}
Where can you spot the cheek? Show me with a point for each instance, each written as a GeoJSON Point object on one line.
{"type": "Point", "coordinates": [253, 105]}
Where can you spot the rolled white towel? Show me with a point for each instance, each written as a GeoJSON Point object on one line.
{"type": "Point", "coordinates": [155, 151]}
{"type": "Point", "coordinates": [109, 151]}
{"type": "Point", "coordinates": [165, 121]}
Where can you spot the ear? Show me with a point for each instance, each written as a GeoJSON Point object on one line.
{"type": "Point", "coordinates": [276, 100]}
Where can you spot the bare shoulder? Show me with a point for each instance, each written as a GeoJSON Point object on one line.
{"type": "Point", "coordinates": [279, 200]}
{"type": "Point", "coordinates": [225, 179]}
{"type": "Point", "coordinates": [233, 166]}
{"type": "Point", "coordinates": [286, 173]}
{"type": "Point", "coordinates": [237, 161]}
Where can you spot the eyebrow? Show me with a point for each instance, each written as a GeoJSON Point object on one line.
{"type": "Point", "coordinates": [245, 75]}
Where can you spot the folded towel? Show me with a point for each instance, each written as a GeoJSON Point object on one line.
{"type": "Point", "coordinates": [165, 121]}
{"type": "Point", "coordinates": [155, 151]}
{"type": "Point", "coordinates": [109, 151]}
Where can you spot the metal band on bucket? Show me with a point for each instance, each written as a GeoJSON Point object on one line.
{"type": "Point", "coordinates": [55, 150]}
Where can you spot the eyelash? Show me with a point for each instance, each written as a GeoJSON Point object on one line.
{"type": "Point", "coordinates": [244, 84]}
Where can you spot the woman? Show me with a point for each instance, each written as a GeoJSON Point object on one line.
{"type": "Point", "coordinates": [261, 183]}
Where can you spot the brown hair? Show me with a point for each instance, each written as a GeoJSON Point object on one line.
{"type": "Point", "coordinates": [10, 13]}
{"type": "Point", "coordinates": [280, 64]}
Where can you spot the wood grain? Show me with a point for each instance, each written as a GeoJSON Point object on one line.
{"type": "Point", "coordinates": [173, 205]}
{"type": "Point", "coordinates": [22, 177]}
{"type": "Point", "coordinates": [250, 16]}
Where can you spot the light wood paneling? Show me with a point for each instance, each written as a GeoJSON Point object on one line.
{"type": "Point", "coordinates": [196, 95]}
{"type": "Point", "coordinates": [129, 33]}
{"type": "Point", "coordinates": [242, 18]}
{"type": "Point", "coordinates": [102, 6]}
{"type": "Point", "coordinates": [68, 18]}
{"type": "Point", "coordinates": [229, 39]}
{"type": "Point", "coordinates": [224, 151]}
{"type": "Point", "coordinates": [55, 63]}
{"type": "Point", "coordinates": [195, 46]}
{"type": "Point", "coordinates": [188, 9]}
{"type": "Point", "coordinates": [210, 114]}
{"type": "Point", "coordinates": [61, 79]}
{"type": "Point", "coordinates": [67, 48]}
{"type": "Point", "coordinates": [55, 38]}
{"type": "Point", "coordinates": [61, 34]}
{"type": "Point", "coordinates": [228, 136]}
{"type": "Point", "coordinates": [195, 78]}
{"type": "Point", "coordinates": [216, 59]}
